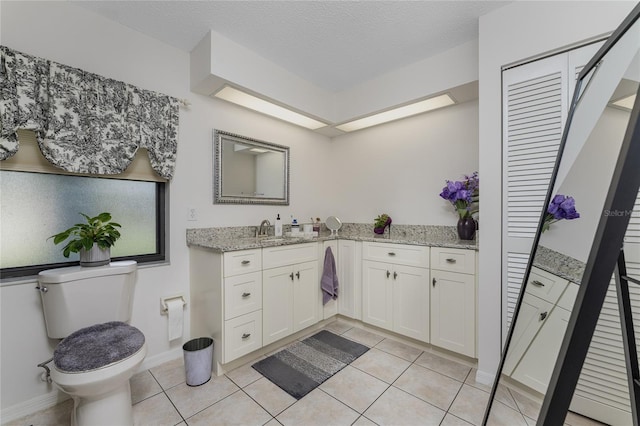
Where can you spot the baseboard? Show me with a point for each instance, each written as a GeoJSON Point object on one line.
{"type": "Point", "coordinates": [156, 360]}
{"type": "Point", "coordinates": [427, 347]}
{"type": "Point", "coordinates": [32, 405]}
{"type": "Point", "coordinates": [485, 378]}
{"type": "Point", "coordinates": [55, 397]}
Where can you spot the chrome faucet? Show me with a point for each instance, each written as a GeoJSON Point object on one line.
{"type": "Point", "coordinates": [263, 229]}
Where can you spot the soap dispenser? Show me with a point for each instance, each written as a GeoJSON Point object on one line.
{"type": "Point", "coordinates": [278, 227]}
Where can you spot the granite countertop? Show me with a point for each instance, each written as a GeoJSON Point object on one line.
{"type": "Point", "coordinates": [559, 264]}
{"type": "Point", "coordinates": [243, 238]}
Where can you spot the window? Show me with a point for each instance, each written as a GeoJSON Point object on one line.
{"type": "Point", "coordinates": [38, 200]}
{"type": "Point", "coordinates": [34, 206]}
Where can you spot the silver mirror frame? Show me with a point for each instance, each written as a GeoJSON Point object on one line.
{"type": "Point", "coordinates": [218, 194]}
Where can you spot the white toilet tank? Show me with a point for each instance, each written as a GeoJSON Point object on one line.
{"type": "Point", "coordinates": [77, 297]}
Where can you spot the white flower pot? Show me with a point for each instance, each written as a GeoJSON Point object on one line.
{"type": "Point", "coordinates": [95, 257]}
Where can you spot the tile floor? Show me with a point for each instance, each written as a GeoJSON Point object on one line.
{"type": "Point", "coordinates": [391, 384]}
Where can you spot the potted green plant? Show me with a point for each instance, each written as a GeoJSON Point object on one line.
{"type": "Point", "coordinates": [380, 223]}
{"type": "Point", "coordinates": [93, 239]}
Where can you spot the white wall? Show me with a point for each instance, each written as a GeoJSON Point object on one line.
{"type": "Point", "coordinates": [399, 167]}
{"type": "Point", "coordinates": [517, 31]}
{"type": "Point", "coordinates": [71, 35]}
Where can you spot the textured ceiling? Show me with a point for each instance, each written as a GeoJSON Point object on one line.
{"type": "Point", "coordinates": [333, 44]}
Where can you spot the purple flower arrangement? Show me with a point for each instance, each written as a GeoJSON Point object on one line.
{"type": "Point", "coordinates": [561, 207]}
{"type": "Point", "coordinates": [464, 195]}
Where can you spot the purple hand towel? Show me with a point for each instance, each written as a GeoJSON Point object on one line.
{"type": "Point", "coordinates": [329, 281]}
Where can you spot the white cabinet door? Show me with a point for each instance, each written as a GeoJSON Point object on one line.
{"type": "Point", "coordinates": [396, 298]}
{"type": "Point", "coordinates": [277, 303]}
{"type": "Point", "coordinates": [377, 298]}
{"type": "Point", "coordinates": [289, 300]}
{"type": "Point", "coordinates": [533, 312]}
{"type": "Point", "coordinates": [410, 287]}
{"type": "Point", "coordinates": [305, 295]}
{"type": "Point", "coordinates": [537, 364]}
{"type": "Point", "coordinates": [453, 312]}
{"type": "Point", "coordinates": [350, 285]}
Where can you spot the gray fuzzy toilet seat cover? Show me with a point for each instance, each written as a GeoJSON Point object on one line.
{"type": "Point", "coordinates": [97, 346]}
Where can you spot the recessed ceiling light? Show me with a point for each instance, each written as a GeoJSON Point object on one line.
{"type": "Point", "coordinates": [626, 102]}
{"type": "Point", "coordinates": [398, 113]}
{"type": "Point", "coordinates": [246, 100]}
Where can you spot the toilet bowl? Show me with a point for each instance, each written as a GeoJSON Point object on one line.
{"type": "Point", "coordinates": [99, 385]}
{"type": "Point", "coordinates": [88, 308]}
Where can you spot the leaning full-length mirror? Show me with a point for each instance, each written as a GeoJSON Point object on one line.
{"type": "Point", "coordinates": [249, 171]}
{"type": "Point", "coordinates": [594, 133]}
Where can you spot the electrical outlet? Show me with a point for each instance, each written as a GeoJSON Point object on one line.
{"type": "Point", "coordinates": [192, 214]}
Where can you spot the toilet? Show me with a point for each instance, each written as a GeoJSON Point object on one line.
{"type": "Point", "coordinates": [89, 308]}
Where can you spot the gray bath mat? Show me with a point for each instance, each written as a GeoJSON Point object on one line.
{"type": "Point", "coordinates": [304, 365]}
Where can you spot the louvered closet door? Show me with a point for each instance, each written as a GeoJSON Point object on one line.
{"type": "Point", "coordinates": [602, 391]}
{"type": "Point", "coordinates": [536, 97]}
{"type": "Point", "coordinates": [534, 111]}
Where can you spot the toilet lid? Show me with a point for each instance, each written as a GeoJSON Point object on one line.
{"type": "Point", "coordinates": [97, 346]}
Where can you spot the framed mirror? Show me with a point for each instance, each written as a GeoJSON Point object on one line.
{"type": "Point", "coordinates": [249, 171]}
{"type": "Point", "coordinates": [565, 351]}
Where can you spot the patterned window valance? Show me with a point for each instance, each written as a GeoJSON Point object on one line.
{"type": "Point", "coordinates": [84, 123]}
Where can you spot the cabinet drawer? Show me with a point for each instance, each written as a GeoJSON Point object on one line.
{"type": "Point", "coordinates": [242, 335]}
{"type": "Point", "coordinates": [399, 254]}
{"type": "Point", "coordinates": [274, 257]}
{"type": "Point", "coordinates": [545, 285]}
{"type": "Point", "coordinates": [242, 294]}
{"type": "Point", "coordinates": [242, 262]}
{"type": "Point", "coordinates": [453, 260]}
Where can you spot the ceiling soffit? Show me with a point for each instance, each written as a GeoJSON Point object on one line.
{"type": "Point", "coordinates": [218, 61]}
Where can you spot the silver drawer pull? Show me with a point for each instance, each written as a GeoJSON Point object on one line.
{"type": "Point", "coordinates": [245, 295]}
{"type": "Point", "coordinates": [543, 316]}
{"type": "Point", "coordinates": [245, 262]}
{"type": "Point", "coordinates": [246, 335]}
{"type": "Point", "coordinates": [391, 253]}
{"type": "Point", "coordinates": [451, 260]}
{"type": "Point", "coordinates": [538, 283]}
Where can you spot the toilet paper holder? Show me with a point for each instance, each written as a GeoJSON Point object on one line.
{"type": "Point", "coordinates": [164, 307]}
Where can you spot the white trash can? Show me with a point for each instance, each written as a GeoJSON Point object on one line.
{"type": "Point", "coordinates": [198, 357]}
